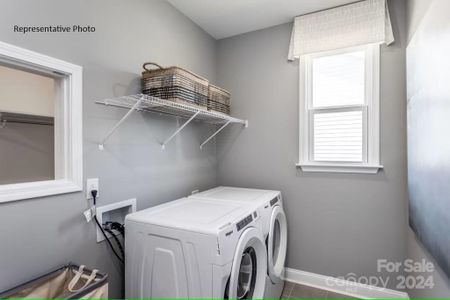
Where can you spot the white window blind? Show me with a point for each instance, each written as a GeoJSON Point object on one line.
{"type": "Point", "coordinates": [338, 136]}
{"type": "Point", "coordinates": [360, 23]}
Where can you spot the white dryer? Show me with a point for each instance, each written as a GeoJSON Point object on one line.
{"type": "Point", "coordinates": [194, 248]}
{"type": "Point", "coordinates": [274, 226]}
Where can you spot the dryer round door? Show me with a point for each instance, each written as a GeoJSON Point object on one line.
{"type": "Point", "coordinates": [277, 244]}
{"type": "Point", "coordinates": [248, 272]}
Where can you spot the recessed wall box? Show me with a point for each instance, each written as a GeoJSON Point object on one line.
{"type": "Point", "coordinates": [114, 212]}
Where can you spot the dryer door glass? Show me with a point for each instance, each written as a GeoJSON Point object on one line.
{"type": "Point", "coordinates": [276, 240]}
{"type": "Point", "coordinates": [247, 272]}
{"type": "Point", "coordinates": [277, 244]}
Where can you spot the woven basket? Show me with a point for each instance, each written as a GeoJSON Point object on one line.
{"type": "Point", "coordinates": [218, 99]}
{"type": "Point", "coordinates": [175, 84]}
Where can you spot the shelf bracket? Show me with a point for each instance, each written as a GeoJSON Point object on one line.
{"type": "Point", "coordinates": [163, 145]}
{"type": "Point", "coordinates": [111, 131]}
{"type": "Point", "coordinates": [214, 134]}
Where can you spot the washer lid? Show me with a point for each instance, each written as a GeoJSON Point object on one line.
{"type": "Point", "coordinates": [237, 194]}
{"type": "Point", "coordinates": [277, 245]}
{"type": "Point", "coordinates": [191, 214]}
{"type": "Point", "coordinates": [248, 271]}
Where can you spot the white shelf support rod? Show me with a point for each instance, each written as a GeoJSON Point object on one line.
{"type": "Point", "coordinates": [111, 131]}
{"type": "Point", "coordinates": [215, 133]}
{"type": "Point", "coordinates": [163, 145]}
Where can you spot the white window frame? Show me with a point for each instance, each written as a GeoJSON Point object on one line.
{"type": "Point", "coordinates": [68, 125]}
{"type": "Point", "coordinates": [371, 121]}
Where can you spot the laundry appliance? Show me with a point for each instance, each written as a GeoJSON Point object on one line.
{"type": "Point", "coordinates": [195, 248]}
{"type": "Point", "coordinates": [274, 227]}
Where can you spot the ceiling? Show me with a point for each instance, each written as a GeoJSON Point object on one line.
{"type": "Point", "coordinates": [225, 18]}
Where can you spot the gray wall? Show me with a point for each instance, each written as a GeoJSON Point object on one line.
{"type": "Point", "coordinates": [428, 163]}
{"type": "Point", "coordinates": [39, 234]}
{"type": "Point", "coordinates": [338, 224]}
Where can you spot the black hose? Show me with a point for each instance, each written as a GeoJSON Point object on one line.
{"type": "Point", "coordinates": [109, 242]}
{"type": "Point", "coordinates": [116, 239]}
{"type": "Point", "coordinates": [94, 196]}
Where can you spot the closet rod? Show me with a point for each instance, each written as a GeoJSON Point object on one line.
{"type": "Point", "coordinates": [6, 117]}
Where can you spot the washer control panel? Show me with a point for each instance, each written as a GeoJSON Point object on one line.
{"type": "Point", "coordinates": [244, 222]}
{"type": "Point", "coordinates": [273, 201]}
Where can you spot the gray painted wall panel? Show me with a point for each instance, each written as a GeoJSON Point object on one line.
{"type": "Point", "coordinates": [338, 224]}
{"type": "Point", "coordinates": [39, 234]}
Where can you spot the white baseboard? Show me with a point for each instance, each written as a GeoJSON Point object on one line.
{"type": "Point", "coordinates": [349, 288]}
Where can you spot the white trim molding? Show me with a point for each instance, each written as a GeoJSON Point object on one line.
{"type": "Point", "coordinates": [340, 286]}
{"type": "Point", "coordinates": [340, 168]}
{"type": "Point", "coordinates": [68, 125]}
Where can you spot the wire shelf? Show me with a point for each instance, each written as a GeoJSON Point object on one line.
{"type": "Point", "coordinates": [161, 106]}
{"type": "Point", "coordinates": [146, 103]}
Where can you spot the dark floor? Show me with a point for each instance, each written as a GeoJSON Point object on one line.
{"type": "Point", "coordinates": [293, 290]}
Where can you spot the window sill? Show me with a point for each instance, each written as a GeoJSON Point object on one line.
{"type": "Point", "coordinates": [27, 190]}
{"type": "Point", "coordinates": [339, 168]}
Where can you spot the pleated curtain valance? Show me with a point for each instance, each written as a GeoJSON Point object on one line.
{"type": "Point", "coordinates": [350, 25]}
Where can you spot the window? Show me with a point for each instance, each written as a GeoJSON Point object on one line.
{"type": "Point", "coordinates": [339, 110]}
{"type": "Point", "coordinates": [40, 125]}
{"type": "Point", "coordinates": [27, 105]}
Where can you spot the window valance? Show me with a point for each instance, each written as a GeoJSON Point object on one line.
{"type": "Point", "coordinates": [350, 25]}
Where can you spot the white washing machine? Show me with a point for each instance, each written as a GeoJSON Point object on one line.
{"type": "Point", "coordinates": [194, 248]}
{"type": "Point", "coordinates": [274, 228]}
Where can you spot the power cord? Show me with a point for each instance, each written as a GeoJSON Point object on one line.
{"type": "Point", "coordinates": [116, 239]}
{"type": "Point", "coordinates": [94, 196]}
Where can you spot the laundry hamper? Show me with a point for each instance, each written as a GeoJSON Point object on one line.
{"type": "Point", "coordinates": [67, 282]}
{"type": "Point", "coordinates": [175, 84]}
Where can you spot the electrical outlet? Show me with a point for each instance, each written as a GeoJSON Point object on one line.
{"type": "Point", "coordinates": [92, 184]}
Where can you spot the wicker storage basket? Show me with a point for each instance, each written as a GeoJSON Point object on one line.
{"type": "Point", "coordinates": [175, 84]}
{"type": "Point", "coordinates": [218, 99]}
